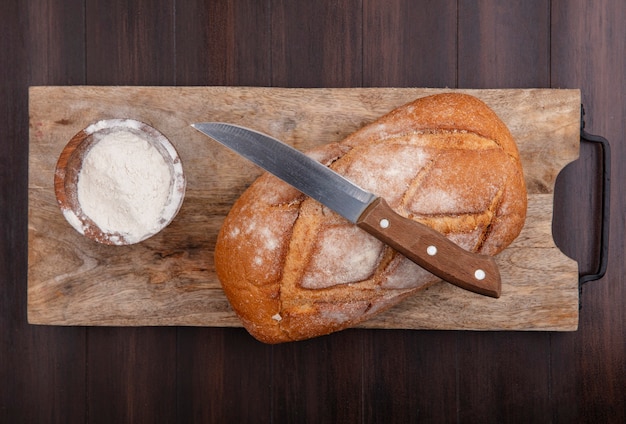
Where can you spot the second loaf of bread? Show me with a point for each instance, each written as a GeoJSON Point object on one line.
{"type": "Point", "coordinates": [293, 269]}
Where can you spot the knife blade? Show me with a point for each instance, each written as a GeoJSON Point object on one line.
{"type": "Point", "coordinates": [421, 244]}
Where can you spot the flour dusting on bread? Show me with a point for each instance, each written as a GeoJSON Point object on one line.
{"type": "Point", "coordinates": [293, 269]}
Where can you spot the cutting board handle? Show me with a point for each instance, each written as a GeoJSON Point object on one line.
{"type": "Point", "coordinates": [606, 195]}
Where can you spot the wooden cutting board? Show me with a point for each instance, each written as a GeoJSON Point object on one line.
{"type": "Point", "coordinates": [170, 278]}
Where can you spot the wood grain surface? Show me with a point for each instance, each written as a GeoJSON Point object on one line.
{"type": "Point", "coordinates": [170, 278]}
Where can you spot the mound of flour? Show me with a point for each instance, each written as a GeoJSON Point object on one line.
{"type": "Point", "coordinates": [124, 185]}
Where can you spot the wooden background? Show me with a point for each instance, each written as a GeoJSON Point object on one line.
{"type": "Point", "coordinates": [183, 374]}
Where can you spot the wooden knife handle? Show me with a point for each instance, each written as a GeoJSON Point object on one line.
{"type": "Point", "coordinates": [431, 250]}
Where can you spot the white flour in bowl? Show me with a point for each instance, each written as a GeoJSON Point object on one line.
{"type": "Point", "coordinates": [124, 186]}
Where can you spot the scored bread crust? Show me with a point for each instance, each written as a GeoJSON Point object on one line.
{"type": "Point", "coordinates": [293, 269]}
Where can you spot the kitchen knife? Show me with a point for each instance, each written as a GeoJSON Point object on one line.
{"type": "Point", "coordinates": [421, 244]}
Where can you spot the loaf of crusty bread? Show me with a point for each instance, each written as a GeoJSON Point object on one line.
{"type": "Point", "coordinates": [293, 269]}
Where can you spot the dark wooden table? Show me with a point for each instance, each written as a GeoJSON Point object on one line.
{"type": "Point", "coordinates": [146, 375]}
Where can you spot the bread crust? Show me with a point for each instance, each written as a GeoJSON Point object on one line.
{"type": "Point", "coordinates": [292, 269]}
